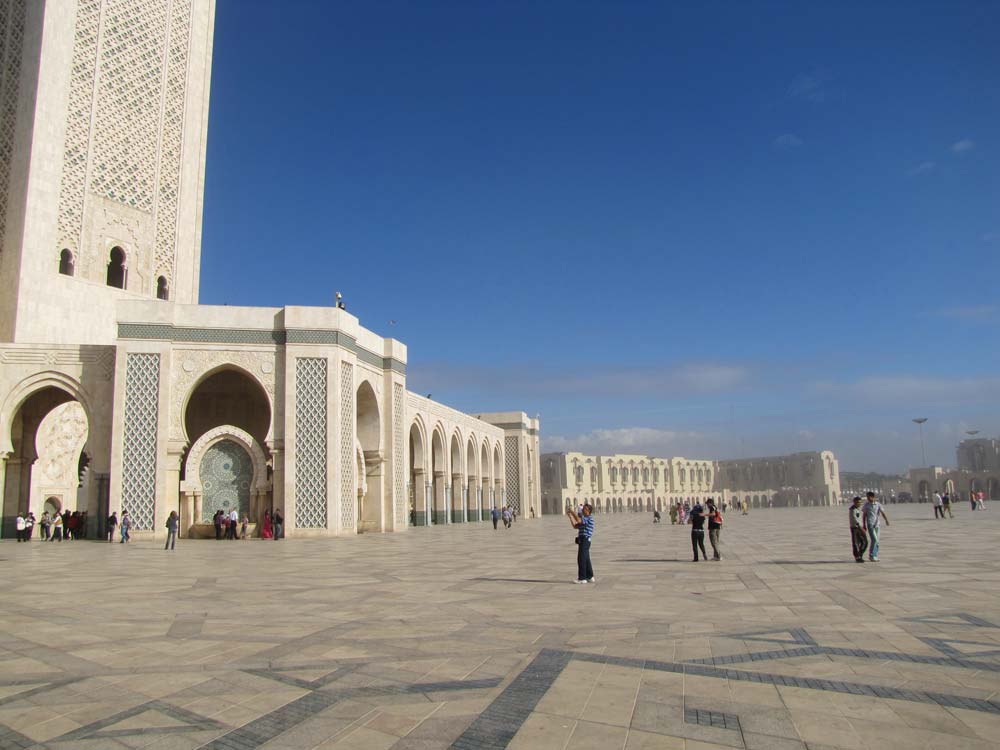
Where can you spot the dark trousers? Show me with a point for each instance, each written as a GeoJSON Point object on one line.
{"type": "Point", "coordinates": [859, 543]}
{"type": "Point", "coordinates": [713, 538]}
{"type": "Point", "coordinates": [495, 524]}
{"type": "Point", "coordinates": [111, 532]}
{"type": "Point", "coordinates": [584, 570]}
{"type": "Point", "coordinates": [938, 511]}
{"type": "Point", "coordinates": [698, 540]}
{"type": "Point", "coordinates": [218, 531]}
{"type": "Point", "coordinates": [171, 539]}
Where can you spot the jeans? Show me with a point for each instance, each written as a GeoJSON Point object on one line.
{"type": "Point", "coordinates": [713, 538]}
{"type": "Point", "coordinates": [125, 535]}
{"type": "Point", "coordinates": [584, 570]}
{"type": "Point", "coordinates": [859, 542]}
{"type": "Point", "coordinates": [698, 540]}
{"type": "Point", "coordinates": [171, 539]}
{"type": "Point", "coordinates": [873, 536]}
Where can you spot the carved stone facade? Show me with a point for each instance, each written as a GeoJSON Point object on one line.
{"type": "Point", "coordinates": [139, 399]}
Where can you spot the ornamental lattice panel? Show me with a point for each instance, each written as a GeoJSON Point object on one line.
{"type": "Point", "coordinates": [168, 186]}
{"type": "Point", "coordinates": [142, 389]}
{"type": "Point", "coordinates": [348, 494]}
{"type": "Point", "coordinates": [310, 443]}
{"type": "Point", "coordinates": [129, 88]}
{"type": "Point", "coordinates": [11, 41]}
{"type": "Point", "coordinates": [78, 117]}
{"type": "Point", "coordinates": [513, 471]}
{"type": "Point", "coordinates": [398, 467]}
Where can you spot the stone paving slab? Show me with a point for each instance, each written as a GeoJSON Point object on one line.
{"type": "Point", "coordinates": [469, 638]}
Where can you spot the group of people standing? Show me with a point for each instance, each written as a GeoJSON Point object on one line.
{"type": "Point", "coordinates": [54, 527]}
{"type": "Point", "coordinates": [942, 502]}
{"type": "Point", "coordinates": [866, 525]}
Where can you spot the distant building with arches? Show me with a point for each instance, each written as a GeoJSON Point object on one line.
{"type": "Point", "coordinates": [639, 483]}
{"type": "Point", "coordinates": [118, 390]}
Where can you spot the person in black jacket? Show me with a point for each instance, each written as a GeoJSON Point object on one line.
{"type": "Point", "coordinates": [697, 521]}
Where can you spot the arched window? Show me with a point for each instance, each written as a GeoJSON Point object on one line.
{"type": "Point", "coordinates": [66, 263]}
{"type": "Point", "coordinates": [162, 292]}
{"type": "Point", "coordinates": [656, 475]}
{"type": "Point", "coordinates": [635, 476]}
{"type": "Point", "coordinates": [614, 475]}
{"type": "Point", "coordinates": [593, 473]}
{"type": "Point", "coordinates": [683, 476]}
{"type": "Point", "coordinates": [645, 476]}
{"type": "Point", "coordinates": [116, 268]}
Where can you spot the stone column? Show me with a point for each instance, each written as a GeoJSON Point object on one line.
{"type": "Point", "coordinates": [457, 495]}
{"type": "Point", "coordinates": [446, 513]}
{"type": "Point", "coordinates": [414, 487]}
{"type": "Point", "coordinates": [428, 504]}
{"type": "Point", "coordinates": [3, 487]}
{"type": "Point", "coordinates": [196, 505]}
{"type": "Point", "coordinates": [278, 480]}
{"type": "Point", "coordinates": [173, 472]}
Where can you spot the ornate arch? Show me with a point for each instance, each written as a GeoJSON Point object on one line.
{"type": "Point", "coordinates": [192, 466]}
{"type": "Point", "coordinates": [189, 369]}
{"type": "Point", "coordinates": [361, 476]}
{"type": "Point", "coordinates": [31, 385]}
{"type": "Point", "coordinates": [425, 446]}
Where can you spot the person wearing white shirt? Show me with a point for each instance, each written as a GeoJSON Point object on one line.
{"type": "Point", "coordinates": [938, 510]}
{"type": "Point", "coordinates": [234, 519]}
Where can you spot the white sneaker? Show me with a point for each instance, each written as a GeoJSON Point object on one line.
{"type": "Point", "coordinates": [591, 580]}
{"type": "Point", "coordinates": [579, 581]}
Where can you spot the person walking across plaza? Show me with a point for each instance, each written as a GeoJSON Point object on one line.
{"type": "Point", "coordinates": [506, 517]}
{"type": "Point", "coordinates": [495, 515]}
{"type": "Point", "coordinates": [20, 525]}
{"type": "Point", "coordinates": [279, 525]}
{"type": "Point", "coordinates": [714, 529]}
{"type": "Point", "coordinates": [946, 505]}
{"type": "Point", "coordinates": [46, 523]}
{"type": "Point", "coordinates": [234, 522]}
{"type": "Point", "coordinates": [584, 537]}
{"type": "Point", "coordinates": [112, 525]}
{"type": "Point", "coordinates": [874, 515]}
{"type": "Point", "coordinates": [938, 510]}
{"type": "Point", "coordinates": [697, 521]}
{"type": "Point", "coordinates": [171, 530]}
{"type": "Point", "coordinates": [859, 540]}
{"type": "Point", "coordinates": [125, 527]}
{"type": "Point", "coordinates": [972, 499]}
{"type": "Point", "coordinates": [57, 528]}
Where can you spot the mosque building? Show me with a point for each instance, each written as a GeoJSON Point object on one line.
{"type": "Point", "coordinates": [118, 390]}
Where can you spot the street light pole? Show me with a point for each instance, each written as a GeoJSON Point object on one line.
{"type": "Point", "coordinates": [920, 423]}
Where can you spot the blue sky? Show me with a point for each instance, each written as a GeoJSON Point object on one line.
{"type": "Point", "coordinates": [700, 229]}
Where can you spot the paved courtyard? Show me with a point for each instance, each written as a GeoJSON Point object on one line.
{"type": "Point", "coordinates": [465, 637]}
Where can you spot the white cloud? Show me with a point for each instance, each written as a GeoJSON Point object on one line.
{"type": "Point", "coordinates": [970, 312]}
{"type": "Point", "coordinates": [809, 87]}
{"type": "Point", "coordinates": [694, 378]}
{"type": "Point", "coordinates": [913, 390]}
{"type": "Point", "coordinates": [922, 168]}
{"type": "Point", "coordinates": [963, 146]}
{"type": "Point", "coordinates": [787, 141]}
{"type": "Point", "coordinates": [641, 440]}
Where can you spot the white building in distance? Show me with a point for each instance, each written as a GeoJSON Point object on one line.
{"type": "Point", "coordinates": [623, 482]}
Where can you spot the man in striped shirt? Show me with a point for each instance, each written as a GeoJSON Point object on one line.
{"type": "Point", "coordinates": [585, 532]}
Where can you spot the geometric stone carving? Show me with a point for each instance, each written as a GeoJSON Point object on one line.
{"type": "Point", "coordinates": [59, 441]}
{"type": "Point", "coordinates": [11, 40]}
{"type": "Point", "coordinates": [398, 462]}
{"type": "Point", "coordinates": [196, 456]}
{"type": "Point", "coordinates": [310, 443]}
{"type": "Point", "coordinates": [225, 473]}
{"type": "Point", "coordinates": [142, 388]}
{"type": "Point", "coordinates": [347, 419]}
{"type": "Point", "coordinates": [513, 463]}
{"type": "Point", "coordinates": [124, 135]}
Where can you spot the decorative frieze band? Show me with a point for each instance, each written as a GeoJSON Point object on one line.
{"type": "Point", "coordinates": [166, 332]}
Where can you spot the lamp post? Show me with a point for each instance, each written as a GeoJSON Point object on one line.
{"type": "Point", "coordinates": [920, 423]}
